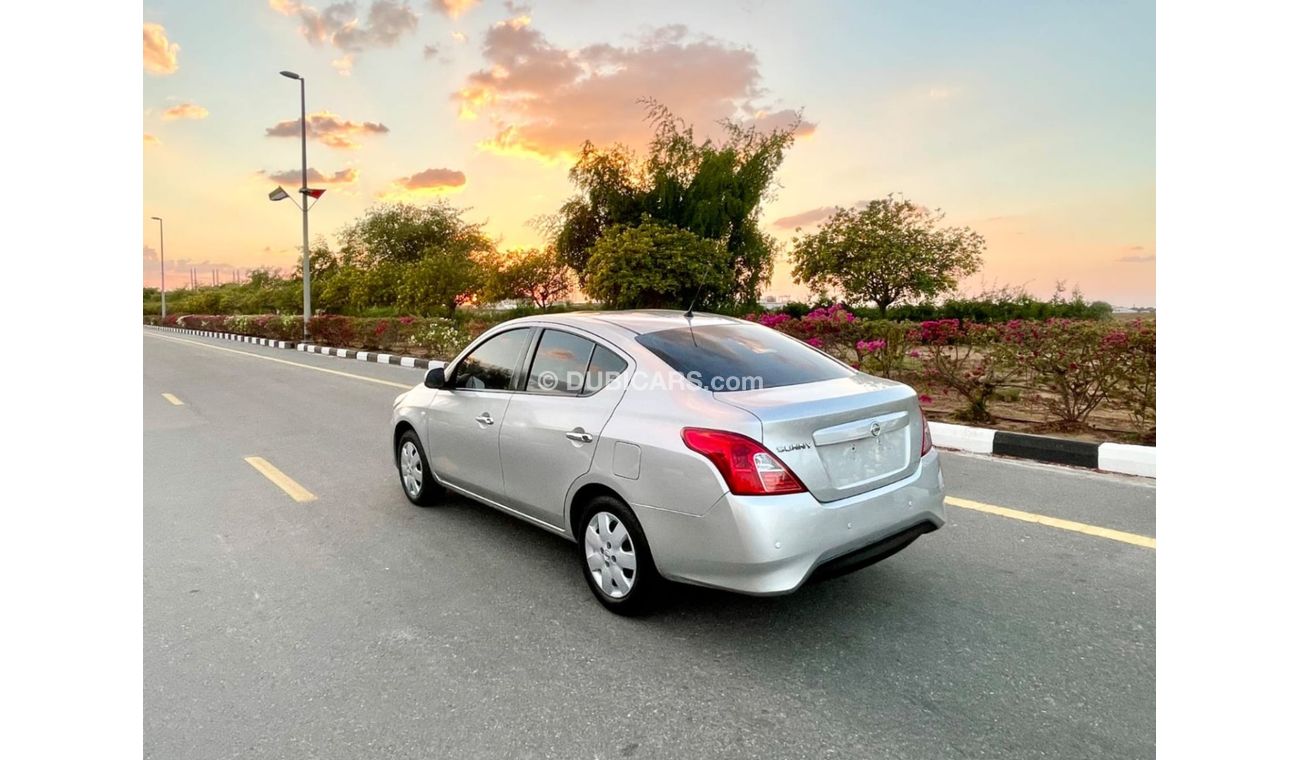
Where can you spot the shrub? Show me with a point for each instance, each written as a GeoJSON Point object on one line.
{"type": "Point", "coordinates": [443, 338]}
{"type": "Point", "coordinates": [1137, 387]}
{"type": "Point", "coordinates": [883, 347]}
{"type": "Point", "coordinates": [965, 359]}
{"type": "Point", "coordinates": [1079, 363]}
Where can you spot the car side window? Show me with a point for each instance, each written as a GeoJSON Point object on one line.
{"type": "Point", "coordinates": [604, 368]}
{"type": "Point", "coordinates": [492, 365]}
{"type": "Point", "coordinates": [560, 364]}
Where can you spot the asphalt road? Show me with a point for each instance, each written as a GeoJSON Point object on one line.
{"type": "Point", "coordinates": [355, 625]}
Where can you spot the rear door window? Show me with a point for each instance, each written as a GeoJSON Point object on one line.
{"type": "Point", "coordinates": [734, 357]}
{"type": "Point", "coordinates": [560, 364]}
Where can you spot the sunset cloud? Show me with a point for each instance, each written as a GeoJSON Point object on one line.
{"type": "Point", "coordinates": [811, 216]}
{"type": "Point", "coordinates": [185, 111]}
{"type": "Point", "coordinates": [454, 8]}
{"type": "Point", "coordinates": [426, 183]}
{"type": "Point", "coordinates": [159, 52]}
{"type": "Point", "coordinates": [1136, 257]}
{"type": "Point", "coordinates": [544, 100]}
{"type": "Point", "coordinates": [294, 177]}
{"type": "Point", "coordinates": [151, 140]}
{"type": "Point", "coordinates": [329, 129]}
{"type": "Point", "coordinates": [341, 24]}
{"type": "Point", "coordinates": [344, 65]}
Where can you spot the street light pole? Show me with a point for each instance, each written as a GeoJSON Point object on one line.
{"type": "Point", "coordinates": [306, 249]}
{"type": "Point", "coordinates": [162, 267]}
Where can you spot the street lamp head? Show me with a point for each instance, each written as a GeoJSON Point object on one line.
{"type": "Point", "coordinates": [159, 218]}
{"type": "Point", "coordinates": [289, 74]}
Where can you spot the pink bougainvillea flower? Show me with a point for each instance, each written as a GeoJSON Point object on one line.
{"type": "Point", "coordinates": [815, 342]}
{"type": "Point", "coordinates": [924, 399]}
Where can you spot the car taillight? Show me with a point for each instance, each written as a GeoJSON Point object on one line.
{"type": "Point", "coordinates": [748, 468]}
{"type": "Point", "coordinates": [926, 442]}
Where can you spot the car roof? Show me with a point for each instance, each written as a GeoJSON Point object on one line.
{"type": "Point", "coordinates": [636, 322]}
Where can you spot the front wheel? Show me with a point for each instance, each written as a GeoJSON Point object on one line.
{"type": "Point", "coordinates": [615, 558]}
{"type": "Point", "coordinates": [417, 479]}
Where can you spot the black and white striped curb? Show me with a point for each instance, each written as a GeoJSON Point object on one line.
{"type": "Point", "coordinates": [371, 356]}
{"type": "Point", "coordinates": [227, 336]}
{"type": "Point", "coordinates": [1123, 458]}
{"type": "Point", "coordinates": [342, 353]}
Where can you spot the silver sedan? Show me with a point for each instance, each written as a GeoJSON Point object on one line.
{"type": "Point", "coordinates": [699, 449]}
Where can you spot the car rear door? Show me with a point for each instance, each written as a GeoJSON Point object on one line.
{"type": "Point", "coordinates": [465, 418]}
{"type": "Point", "coordinates": [553, 425]}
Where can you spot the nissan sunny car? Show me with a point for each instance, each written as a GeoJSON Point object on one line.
{"type": "Point", "coordinates": [691, 448]}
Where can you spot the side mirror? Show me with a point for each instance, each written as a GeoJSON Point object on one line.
{"type": "Point", "coordinates": [436, 377]}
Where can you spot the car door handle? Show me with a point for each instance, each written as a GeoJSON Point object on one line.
{"type": "Point", "coordinates": [579, 435]}
{"type": "Point", "coordinates": [484, 419]}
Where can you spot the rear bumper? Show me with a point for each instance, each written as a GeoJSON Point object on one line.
{"type": "Point", "coordinates": [773, 544]}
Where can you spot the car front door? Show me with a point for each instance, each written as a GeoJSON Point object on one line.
{"type": "Point", "coordinates": [554, 423]}
{"type": "Point", "coordinates": [465, 417]}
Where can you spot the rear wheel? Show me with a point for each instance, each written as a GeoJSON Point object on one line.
{"type": "Point", "coordinates": [615, 557]}
{"type": "Point", "coordinates": [413, 470]}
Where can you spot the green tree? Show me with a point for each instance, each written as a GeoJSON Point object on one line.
{"type": "Point", "coordinates": [423, 259]}
{"type": "Point", "coordinates": [537, 275]}
{"type": "Point", "coordinates": [438, 283]}
{"type": "Point", "coordinates": [714, 190]}
{"type": "Point", "coordinates": [891, 250]}
{"type": "Point", "coordinates": [655, 265]}
{"type": "Point", "coordinates": [405, 233]}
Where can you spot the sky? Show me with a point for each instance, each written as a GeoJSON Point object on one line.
{"type": "Point", "coordinates": [1033, 123]}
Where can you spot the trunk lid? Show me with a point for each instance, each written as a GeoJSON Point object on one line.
{"type": "Point", "coordinates": [841, 437]}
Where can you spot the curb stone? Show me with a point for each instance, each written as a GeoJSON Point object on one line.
{"type": "Point", "coordinates": [376, 357]}
{"type": "Point", "coordinates": [226, 336]}
{"type": "Point", "coordinates": [1122, 458]}
{"type": "Point", "coordinates": [371, 356]}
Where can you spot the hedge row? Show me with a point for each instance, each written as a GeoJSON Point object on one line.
{"type": "Point", "coordinates": [1071, 366]}
{"type": "Point", "coordinates": [433, 337]}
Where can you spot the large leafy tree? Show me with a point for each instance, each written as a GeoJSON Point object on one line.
{"type": "Point", "coordinates": [892, 250]}
{"type": "Point", "coordinates": [537, 275]}
{"type": "Point", "coordinates": [423, 259]}
{"type": "Point", "coordinates": [404, 233]}
{"type": "Point", "coordinates": [713, 189]}
{"type": "Point", "coordinates": [656, 265]}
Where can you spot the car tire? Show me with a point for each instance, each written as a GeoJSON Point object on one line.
{"type": "Point", "coordinates": [615, 558]}
{"type": "Point", "coordinates": [413, 472]}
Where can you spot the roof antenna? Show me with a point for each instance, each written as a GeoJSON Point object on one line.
{"type": "Point", "coordinates": [690, 313]}
{"type": "Point", "coordinates": [690, 310]}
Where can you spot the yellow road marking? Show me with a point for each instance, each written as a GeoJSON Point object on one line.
{"type": "Point", "coordinates": [403, 386]}
{"type": "Point", "coordinates": [1054, 522]}
{"type": "Point", "coordinates": [175, 401]}
{"type": "Point", "coordinates": [286, 483]}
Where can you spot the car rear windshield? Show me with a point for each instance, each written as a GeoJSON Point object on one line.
{"type": "Point", "coordinates": [734, 357]}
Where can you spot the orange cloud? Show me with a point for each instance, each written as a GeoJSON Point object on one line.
{"type": "Point", "coordinates": [159, 53]}
{"type": "Point", "coordinates": [545, 100]}
{"type": "Point", "coordinates": [314, 177]}
{"type": "Point", "coordinates": [454, 8]}
{"type": "Point", "coordinates": [341, 25]}
{"type": "Point", "coordinates": [811, 216]}
{"type": "Point", "coordinates": [329, 129]}
{"type": "Point", "coordinates": [185, 111]}
{"type": "Point", "coordinates": [151, 140]}
{"type": "Point", "coordinates": [426, 183]}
